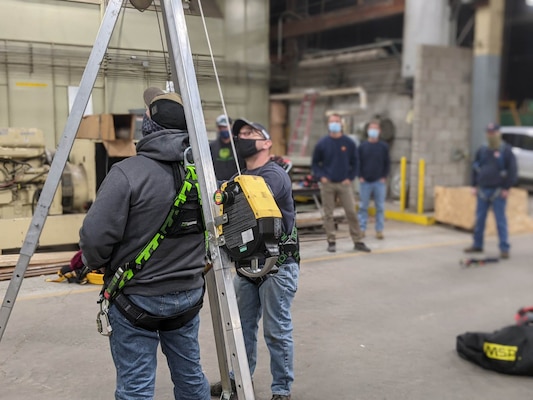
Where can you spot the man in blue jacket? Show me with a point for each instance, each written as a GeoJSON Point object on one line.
{"type": "Point", "coordinates": [374, 167]}
{"type": "Point", "coordinates": [335, 166]}
{"type": "Point", "coordinates": [494, 172]}
{"type": "Point", "coordinates": [130, 208]}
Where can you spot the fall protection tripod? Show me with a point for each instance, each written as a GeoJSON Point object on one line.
{"type": "Point", "coordinates": [225, 315]}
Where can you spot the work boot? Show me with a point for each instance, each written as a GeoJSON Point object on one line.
{"type": "Point", "coordinates": [216, 390]}
{"type": "Point", "coordinates": [281, 397]}
{"type": "Point", "coordinates": [379, 235]}
{"type": "Point", "coordinates": [360, 246]}
{"type": "Point", "coordinates": [473, 249]}
{"type": "Point", "coordinates": [504, 255]}
{"type": "Point", "coordinates": [331, 247]}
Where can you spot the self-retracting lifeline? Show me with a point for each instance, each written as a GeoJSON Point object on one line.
{"type": "Point", "coordinates": [226, 323]}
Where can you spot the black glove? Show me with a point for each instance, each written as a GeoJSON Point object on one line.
{"type": "Point", "coordinates": [67, 273]}
{"type": "Point", "coordinates": [81, 275]}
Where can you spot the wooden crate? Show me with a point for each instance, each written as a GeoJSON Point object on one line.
{"type": "Point", "coordinates": [457, 206]}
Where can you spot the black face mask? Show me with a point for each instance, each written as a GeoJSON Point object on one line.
{"type": "Point", "coordinates": [246, 148]}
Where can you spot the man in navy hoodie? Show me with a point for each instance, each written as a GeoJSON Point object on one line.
{"type": "Point", "coordinates": [335, 166]}
{"type": "Point", "coordinates": [374, 167]}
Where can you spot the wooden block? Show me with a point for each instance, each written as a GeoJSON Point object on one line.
{"type": "Point", "coordinates": [457, 206]}
{"type": "Point", "coordinates": [277, 134]}
{"type": "Point", "coordinates": [278, 112]}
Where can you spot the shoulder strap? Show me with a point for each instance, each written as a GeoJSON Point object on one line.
{"type": "Point", "coordinates": [190, 182]}
{"type": "Point", "coordinates": [126, 272]}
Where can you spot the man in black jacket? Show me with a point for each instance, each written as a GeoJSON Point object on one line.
{"type": "Point", "coordinates": [224, 161]}
{"type": "Point", "coordinates": [494, 172]}
{"type": "Point", "coordinates": [131, 205]}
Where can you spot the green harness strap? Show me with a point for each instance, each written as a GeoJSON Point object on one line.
{"type": "Point", "coordinates": [124, 275]}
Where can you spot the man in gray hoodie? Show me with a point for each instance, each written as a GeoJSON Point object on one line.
{"type": "Point", "coordinates": [160, 303]}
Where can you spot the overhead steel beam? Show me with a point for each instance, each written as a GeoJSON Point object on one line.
{"type": "Point", "coordinates": [338, 18]}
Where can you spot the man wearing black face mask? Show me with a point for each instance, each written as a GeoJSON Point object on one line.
{"type": "Point", "coordinates": [221, 151]}
{"type": "Point", "coordinates": [272, 297]}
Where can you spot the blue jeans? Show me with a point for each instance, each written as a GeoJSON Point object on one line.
{"type": "Point", "coordinates": [484, 202]}
{"type": "Point", "coordinates": [272, 300]}
{"type": "Point", "coordinates": [366, 190]}
{"type": "Point", "coordinates": [134, 350]}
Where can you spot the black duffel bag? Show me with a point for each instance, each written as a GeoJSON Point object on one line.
{"type": "Point", "coordinates": [508, 350]}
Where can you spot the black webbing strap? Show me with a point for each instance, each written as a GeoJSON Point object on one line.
{"type": "Point", "coordinates": [497, 193]}
{"type": "Point", "coordinates": [142, 319]}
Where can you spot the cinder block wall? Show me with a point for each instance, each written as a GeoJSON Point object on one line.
{"type": "Point", "coordinates": [441, 123]}
{"type": "Point", "coordinates": [386, 95]}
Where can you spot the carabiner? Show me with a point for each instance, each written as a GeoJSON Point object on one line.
{"type": "Point", "coordinates": [103, 315]}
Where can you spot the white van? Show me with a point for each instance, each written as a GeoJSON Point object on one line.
{"type": "Point", "coordinates": [521, 140]}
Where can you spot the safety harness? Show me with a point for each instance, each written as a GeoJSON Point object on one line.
{"type": "Point", "coordinates": [188, 199]}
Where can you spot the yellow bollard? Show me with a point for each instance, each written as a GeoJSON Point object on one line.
{"type": "Point", "coordinates": [421, 177]}
{"type": "Point", "coordinates": [403, 165]}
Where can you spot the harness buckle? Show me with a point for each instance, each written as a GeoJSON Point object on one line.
{"type": "Point", "coordinates": [102, 319]}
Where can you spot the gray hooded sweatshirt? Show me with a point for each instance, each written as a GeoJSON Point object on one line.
{"type": "Point", "coordinates": [130, 207]}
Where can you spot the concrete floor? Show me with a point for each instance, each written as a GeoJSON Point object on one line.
{"type": "Point", "coordinates": [367, 326]}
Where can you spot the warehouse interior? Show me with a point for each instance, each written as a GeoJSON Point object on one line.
{"type": "Point", "coordinates": [367, 326]}
{"type": "Point", "coordinates": [393, 59]}
{"type": "Point", "coordinates": [434, 73]}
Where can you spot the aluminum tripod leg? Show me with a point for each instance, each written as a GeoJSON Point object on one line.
{"type": "Point", "coordinates": [60, 159]}
{"type": "Point", "coordinates": [226, 322]}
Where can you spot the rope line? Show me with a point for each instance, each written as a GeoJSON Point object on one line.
{"type": "Point", "coordinates": [219, 86]}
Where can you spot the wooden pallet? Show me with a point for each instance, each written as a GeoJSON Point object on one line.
{"type": "Point", "coordinates": [456, 206]}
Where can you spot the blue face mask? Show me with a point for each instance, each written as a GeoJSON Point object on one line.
{"type": "Point", "coordinates": [373, 133]}
{"type": "Point", "coordinates": [224, 134]}
{"type": "Point", "coordinates": [334, 127]}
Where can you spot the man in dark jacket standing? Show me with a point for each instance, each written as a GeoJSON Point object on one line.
{"type": "Point", "coordinates": [335, 166]}
{"type": "Point", "coordinates": [224, 162]}
{"type": "Point", "coordinates": [130, 207]}
{"type": "Point", "coordinates": [494, 172]}
{"type": "Point", "coordinates": [374, 167]}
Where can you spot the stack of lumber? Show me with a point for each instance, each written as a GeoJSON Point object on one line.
{"type": "Point", "coordinates": [457, 206]}
{"type": "Point", "coordinates": [310, 219]}
{"type": "Point", "coordinates": [40, 264]}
